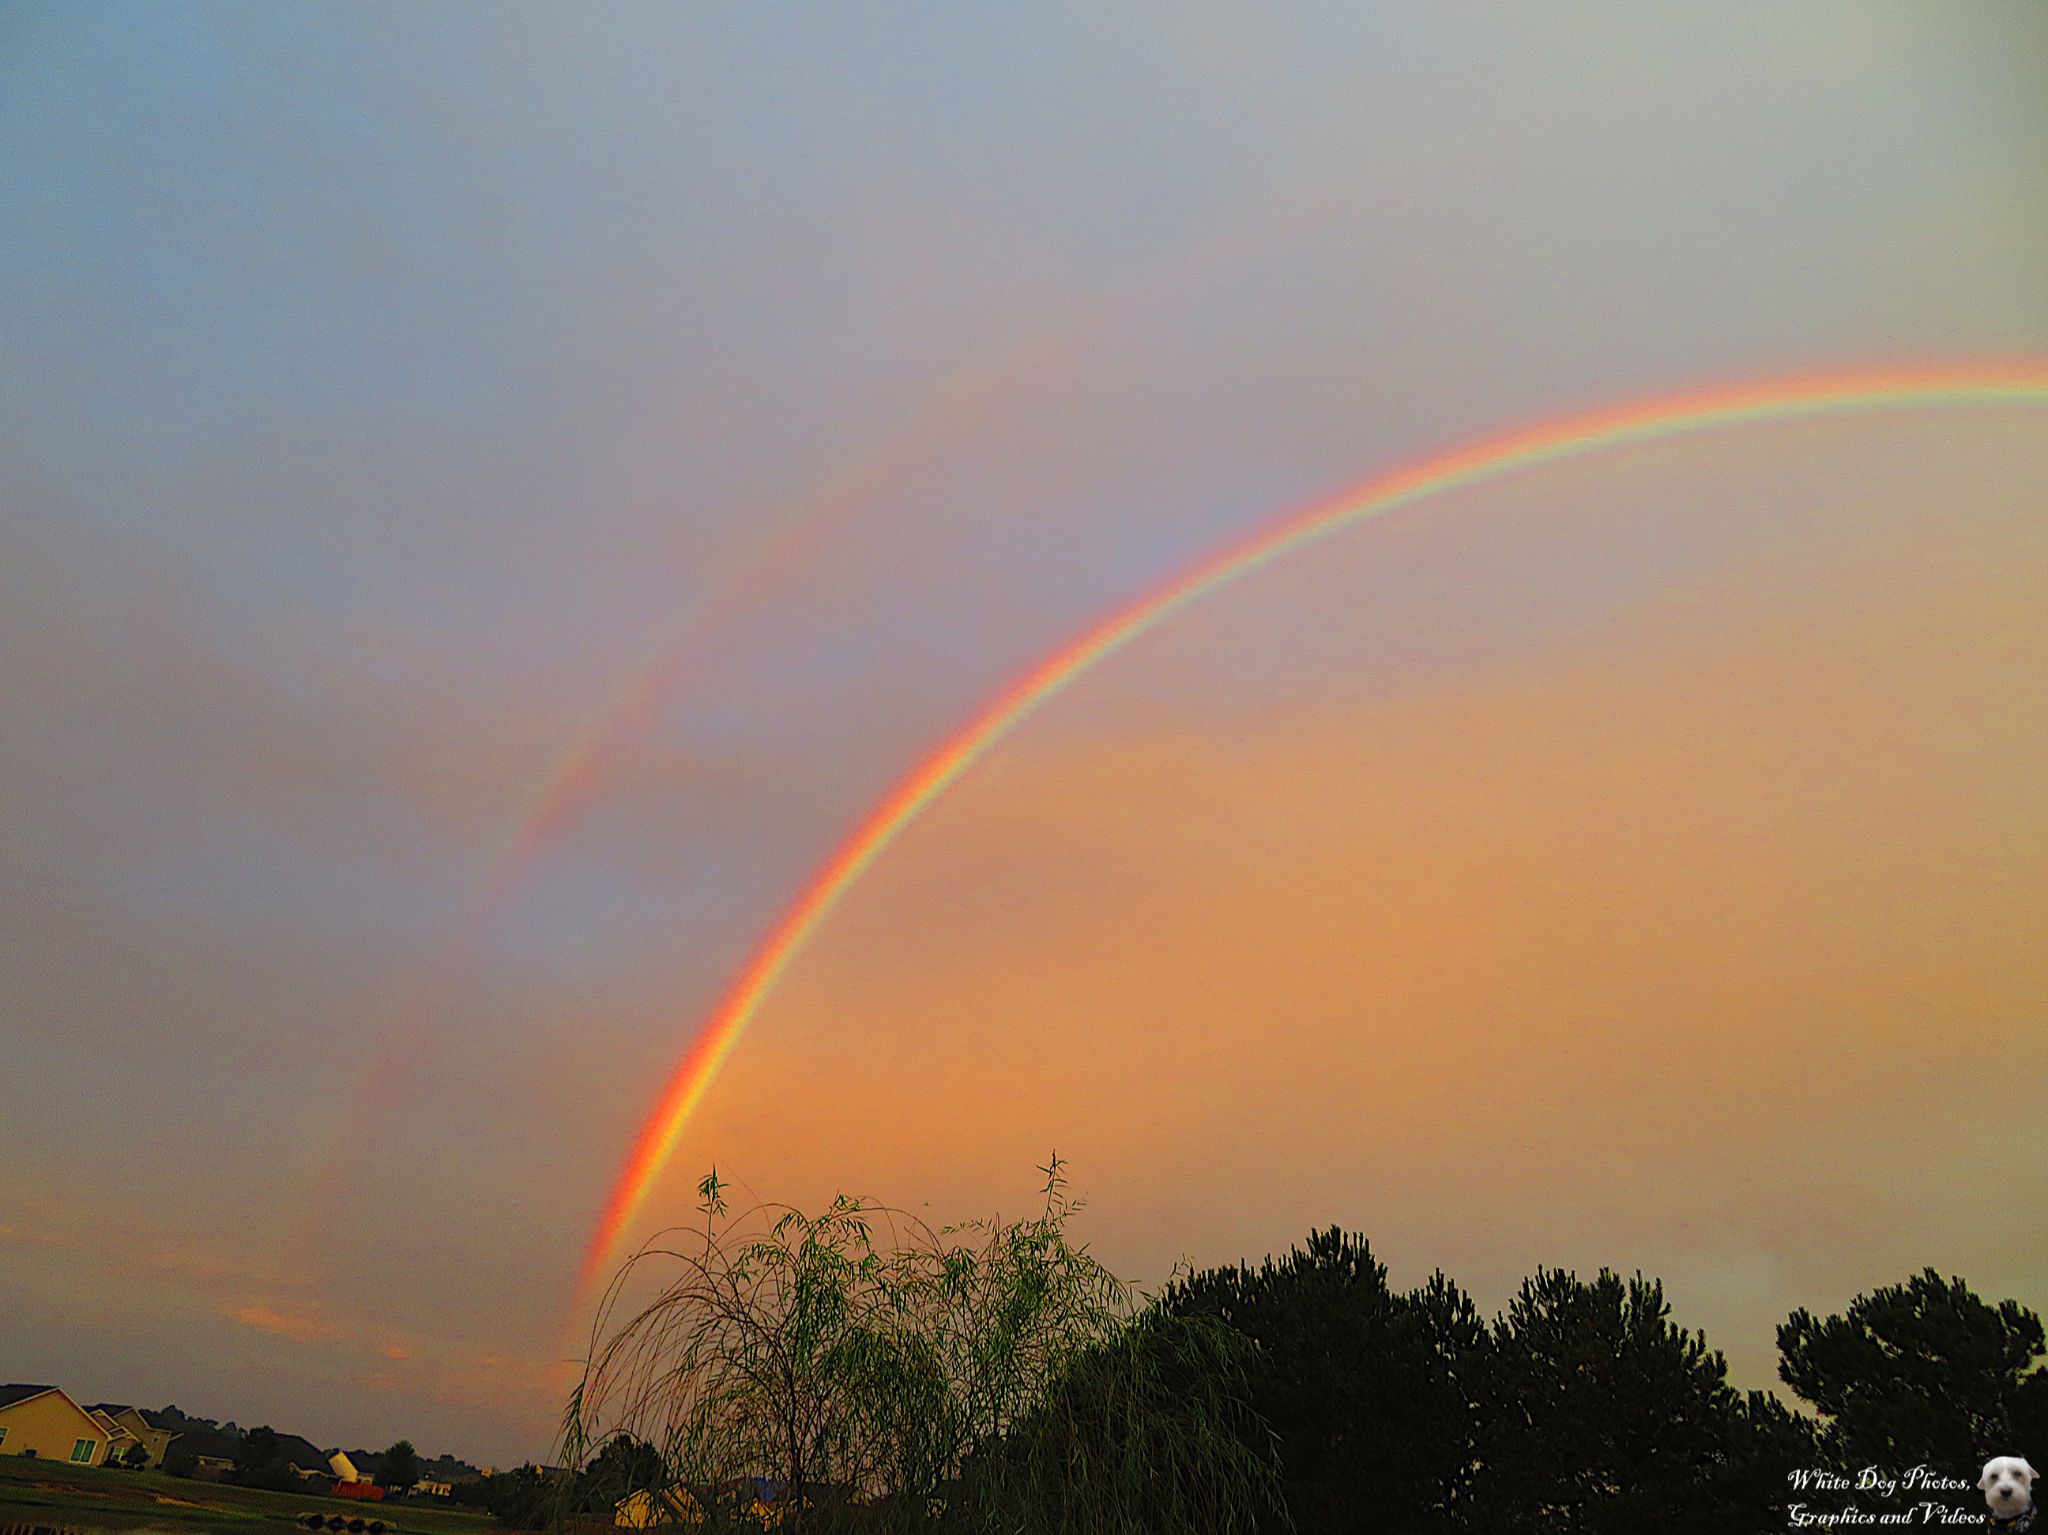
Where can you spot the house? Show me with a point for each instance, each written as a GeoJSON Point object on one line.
{"type": "Point", "coordinates": [759, 1500]}
{"type": "Point", "coordinates": [212, 1452]}
{"type": "Point", "coordinates": [674, 1508]}
{"type": "Point", "coordinates": [43, 1421]}
{"type": "Point", "coordinates": [119, 1440]}
{"type": "Point", "coordinates": [687, 1507]}
{"type": "Point", "coordinates": [304, 1457]}
{"type": "Point", "coordinates": [350, 1480]}
{"type": "Point", "coordinates": [139, 1429]}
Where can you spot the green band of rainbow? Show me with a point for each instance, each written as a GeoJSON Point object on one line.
{"type": "Point", "coordinates": [2022, 383]}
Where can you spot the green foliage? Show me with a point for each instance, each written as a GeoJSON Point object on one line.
{"type": "Point", "coordinates": [398, 1468]}
{"type": "Point", "coordinates": [871, 1374]}
{"type": "Point", "coordinates": [881, 1374]}
{"type": "Point", "coordinates": [1920, 1373]}
{"type": "Point", "coordinates": [135, 1457]}
{"type": "Point", "coordinates": [1151, 1430]}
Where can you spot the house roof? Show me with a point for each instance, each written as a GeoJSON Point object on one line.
{"type": "Point", "coordinates": [678, 1497]}
{"type": "Point", "coordinates": [115, 1409]}
{"type": "Point", "coordinates": [302, 1453]}
{"type": "Point", "coordinates": [208, 1443]}
{"type": "Point", "coordinates": [17, 1392]}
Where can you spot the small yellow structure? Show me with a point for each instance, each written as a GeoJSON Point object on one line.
{"type": "Point", "coordinates": [154, 1441]}
{"type": "Point", "coordinates": [45, 1420]}
{"type": "Point", "coordinates": [753, 1499]}
{"type": "Point", "coordinates": [676, 1509]}
{"type": "Point", "coordinates": [119, 1440]}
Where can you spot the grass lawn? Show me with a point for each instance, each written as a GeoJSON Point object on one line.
{"type": "Point", "coordinates": [54, 1493]}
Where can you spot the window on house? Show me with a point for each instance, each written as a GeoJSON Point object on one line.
{"type": "Point", "coordinates": [82, 1450]}
{"type": "Point", "coordinates": [3, 1435]}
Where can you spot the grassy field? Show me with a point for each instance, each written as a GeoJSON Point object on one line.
{"type": "Point", "coordinates": [44, 1492]}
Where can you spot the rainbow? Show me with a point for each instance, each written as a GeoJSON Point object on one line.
{"type": "Point", "coordinates": [961, 404]}
{"type": "Point", "coordinates": [2022, 383]}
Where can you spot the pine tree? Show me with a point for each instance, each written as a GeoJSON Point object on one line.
{"type": "Point", "coordinates": [1922, 1373]}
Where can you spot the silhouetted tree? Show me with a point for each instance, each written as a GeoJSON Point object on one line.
{"type": "Point", "coordinates": [1150, 1430]}
{"type": "Point", "coordinates": [2029, 1414]}
{"type": "Point", "coordinates": [260, 1461]}
{"type": "Point", "coordinates": [258, 1450]}
{"type": "Point", "coordinates": [624, 1466]}
{"type": "Point", "coordinates": [1368, 1391]}
{"type": "Point", "coordinates": [1599, 1416]}
{"type": "Point", "coordinates": [398, 1468]}
{"type": "Point", "coordinates": [518, 1500]}
{"type": "Point", "coordinates": [1771, 1442]}
{"type": "Point", "coordinates": [1922, 1373]}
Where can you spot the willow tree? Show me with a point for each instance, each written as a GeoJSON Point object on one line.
{"type": "Point", "coordinates": [864, 1370]}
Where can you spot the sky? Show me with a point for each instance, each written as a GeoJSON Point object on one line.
{"type": "Point", "coordinates": [1631, 862]}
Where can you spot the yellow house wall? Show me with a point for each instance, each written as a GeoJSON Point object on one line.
{"type": "Point", "coordinates": [639, 1513]}
{"type": "Point", "coordinates": [154, 1440]}
{"type": "Point", "coordinates": [50, 1424]}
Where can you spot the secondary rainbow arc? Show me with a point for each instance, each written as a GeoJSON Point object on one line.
{"type": "Point", "coordinates": [2017, 383]}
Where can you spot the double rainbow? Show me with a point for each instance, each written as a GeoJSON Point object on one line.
{"type": "Point", "coordinates": [2024, 383]}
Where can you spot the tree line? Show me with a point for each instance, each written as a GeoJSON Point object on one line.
{"type": "Point", "coordinates": [858, 1370]}
{"type": "Point", "coordinates": [279, 1462]}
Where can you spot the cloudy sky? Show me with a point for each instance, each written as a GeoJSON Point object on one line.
{"type": "Point", "coordinates": [490, 494]}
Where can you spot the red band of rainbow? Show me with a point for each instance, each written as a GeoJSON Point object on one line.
{"type": "Point", "coordinates": [2019, 383]}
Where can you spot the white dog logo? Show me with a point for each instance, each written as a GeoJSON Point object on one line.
{"type": "Point", "coordinates": [2008, 1484]}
